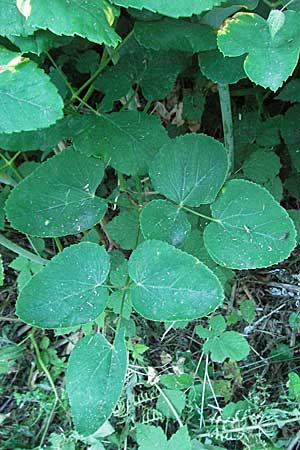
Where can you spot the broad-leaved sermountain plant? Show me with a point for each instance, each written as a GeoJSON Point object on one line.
{"type": "Point", "coordinates": [146, 212]}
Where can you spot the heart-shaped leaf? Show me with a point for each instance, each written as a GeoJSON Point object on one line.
{"type": "Point", "coordinates": [127, 140]}
{"type": "Point", "coordinates": [190, 170]}
{"type": "Point", "coordinates": [28, 98]}
{"type": "Point", "coordinates": [170, 284]}
{"type": "Point", "coordinates": [95, 377]}
{"type": "Point", "coordinates": [271, 56]}
{"type": "Point", "coordinates": [58, 198]}
{"type": "Point", "coordinates": [251, 229]}
{"type": "Point", "coordinates": [92, 20]}
{"type": "Point", "coordinates": [67, 291]}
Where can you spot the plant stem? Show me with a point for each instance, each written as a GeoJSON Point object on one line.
{"type": "Point", "coordinates": [51, 382]}
{"type": "Point", "coordinates": [170, 405]}
{"type": "Point", "coordinates": [211, 219]}
{"type": "Point", "coordinates": [224, 95]}
{"type": "Point", "coordinates": [21, 251]}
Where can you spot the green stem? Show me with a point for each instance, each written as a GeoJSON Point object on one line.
{"type": "Point", "coordinates": [21, 251]}
{"type": "Point", "coordinates": [224, 95]}
{"type": "Point", "coordinates": [103, 64]}
{"type": "Point", "coordinates": [211, 219]}
{"type": "Point", "coordinates": [51, 382]}
{"type": "Point", "coordinates": [170, 405]}
{"type": "Point", "coordinates": [58, 244]}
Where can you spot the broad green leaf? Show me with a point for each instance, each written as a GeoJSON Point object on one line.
{"type": "Point", "coordinates": [58, 198]}
{"type": "Point", "coordinates": [171, 34]}
{"type": "Point", "coordinates": [1, 271]}
{"type": "Point", "coordinates": [12, 22]}
{"type": "Point", "coordinates": [290, 91]}
{"type": "Point", "coordinates": [229, 344]}
{"type": "Point", "coordinates": [295, 216]}
{"type": "Point", "coordinates": [127, 140]}
{"type": "Point", "coordinates": [28, 98]}
{"type": "Point", "coordinates": [250, 230]}
{"type": "Point", "coordinates": [162, 220]}
{"type": "Point", "coordinates": [153, 438]}
{"type": "Point", "coordinates": [155, 72]}
{"type": "Point", "coordinates": [44, 139]}
{"type": "Point", "coordinates": [124, 229]}
{"type": "Point", "coordinates": [67, 291]}
{"type": "Point", "coordinates": [261, 166]}
{"type": "Point", "coordinates": [171, 8]}
{"type": "Point", "coordinates": [177, 382]}
{"type": "Point", "coordinates": [170, 284]}
{"type": "Point", "coordinates": [176, 398]}
{"type": "Point", "coordinates": [290, 130]}
{"type": "Point", "coordinates": [190, 170]}
{"type": "Point", "coordinates": [221, 69]}
{"type": "Point", "coordinates": [39, 42]}
{"type": "Point", "coordinates": [271, 58]}
{"type": "Point", "coordinates": [92, 20]}
{"type": "Point", "coordinates": [95, 376]}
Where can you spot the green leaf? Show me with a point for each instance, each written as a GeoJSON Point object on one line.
{"type": "Point", "coordinates": [58, 198]}
{"type": "Point", "coordinates": [119, 269]}
{"type": "Point", "coordinates": [190, 170]}
{"type": "Point", "coordinates": [95, 376]}
{"type": "Point", "coordinates": [44, 139]}
{"type": "Point", "coordinates": [152, 438]}
{"type": "Point", "coordinates": [12, 22]}
{"type": "Point", "coordinates": [262, 166]}
{"type": "Point", "coordinates": [275, 188]}
{"type": "Point", "coordinates": [177, 382]}
{"type": "Point", "coordinates": [180, 8]}
{"type": "Point", "coordinates": [26, 268]}
{"type": "Point", "coordinates": [220, 69]}
{"type": "Point", "coordinates": [128, 140]}
{"type": "Point", "coordinates": [28, 98]}
{"type": "Point", "coordinates": [171, 34]}
{"type": "Point", "coordinates": [170, 284]}
{"type": "Point", "coordinates": [39, 42]}
{"type": "Point", "coordinates": [176, 398]}
{"type": "Point", "coordinates": [162, 220]}
{"type": "Point", "coordinates": [124, 229]}
{"type": "Point", "coordinates": [248, 310]}
{"type": "Point", "coordinates": [290, 91]}
{"type": "Point", "coordinates": [290, 130]}
{"type": "Point", "coordinates": [252, 229]}
{"type": "Point", "coordinates": [92, 20]}
{"type": "Point", "coordinates": [193, 105]}
{"type": "Point", "coordinates": [67, 291]}
{"type": "Point", "coordinates": [155, 72]}
{"type": "Point", "coordinates": [272, 53]}
{"type": "Point", "coordinates": [229, 345]}
{"type": "Point", "coordinates": [294, 386]}
{"type": "Point", "coordinates": [295, 216]}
